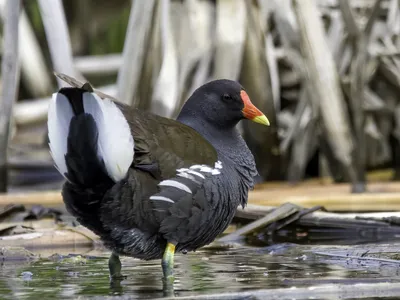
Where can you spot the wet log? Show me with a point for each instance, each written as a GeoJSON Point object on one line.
{"type": "Point", "coordinates": [46, 238]}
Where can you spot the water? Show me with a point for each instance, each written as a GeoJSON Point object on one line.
{"type": "Point", "coordinates": [212, 271]}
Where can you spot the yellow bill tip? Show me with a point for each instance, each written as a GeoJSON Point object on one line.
{"type": "Point", "coordinates": [261, 120]}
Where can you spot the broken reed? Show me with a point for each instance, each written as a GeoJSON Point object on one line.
{"type": "Point", "coordinates": [326, 72]}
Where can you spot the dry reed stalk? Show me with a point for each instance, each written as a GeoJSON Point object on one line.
{"type": "Point", "coordinates": [324, 80]}
{"type": "Point", "coordinates": [10, 82]}
{"type": "Point", "coordinates": [136, 43]}
{"type": "Point", "coordinates": [56, 29]}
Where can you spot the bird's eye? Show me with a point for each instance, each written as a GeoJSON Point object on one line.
{"type": "Point", "coordinates": [227, 97]}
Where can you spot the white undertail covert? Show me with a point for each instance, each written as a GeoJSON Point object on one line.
{"type": "Point", "coordinates": [115, 142]}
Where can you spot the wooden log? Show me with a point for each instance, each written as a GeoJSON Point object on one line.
{"type": "Point", "coordinates": [47, 198]}
{"type": "Point", "coordinates": [136, 43]}
{"type": "Point", "coordinates": [10, 81]}
{"type": "Point", "coordinates": [254, 212]}
{"type": "Point", "coordinates": [381, 197]}
{"type": "Point", "coordinates": [335, 197]}
{"type": "Point", "coordinates": [279, 213]}
{"type": "Point", "coordinates": [51, 238]}
{"type": "Point", "coordinates": [56, 29]}
{"type": "Point", "coordinates": [324, 80]}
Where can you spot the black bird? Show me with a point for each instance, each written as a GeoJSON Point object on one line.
{"type": "Point", "coordinates": [147, 185]}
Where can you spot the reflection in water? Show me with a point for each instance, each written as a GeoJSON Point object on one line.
{"type": "Point", "coordinates": [206, 271]}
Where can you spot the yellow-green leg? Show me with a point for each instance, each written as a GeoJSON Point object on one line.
{"type": "Point", "coordinates": [168, 261]}
{"type": "Point", "coordinates": [168, 270]}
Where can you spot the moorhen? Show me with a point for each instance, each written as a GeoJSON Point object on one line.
{"type": "Point", "coordinates": [147, 185]}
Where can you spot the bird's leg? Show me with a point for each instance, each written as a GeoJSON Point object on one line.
{"type": "Point", "coordinates": [168, 270]}
{"type": "Point", "coordinates": [168, 261]}
{"type": "Point", "coordinates": [114, 264]}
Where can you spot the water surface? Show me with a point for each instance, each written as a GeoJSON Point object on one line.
{"type": "Point", "coordinates": [209, 271]}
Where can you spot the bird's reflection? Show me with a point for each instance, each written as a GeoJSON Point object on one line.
{"type": "Point", "coordinates": [116, 286]}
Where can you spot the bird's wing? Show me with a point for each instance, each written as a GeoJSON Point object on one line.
{"type": "Point", "coordinates": [164, 145]}
{"type": "Point", "coordinates": [161, 145]}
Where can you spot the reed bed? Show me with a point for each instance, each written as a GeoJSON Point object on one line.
{"type": "Point", "coordinates": [325, 72]}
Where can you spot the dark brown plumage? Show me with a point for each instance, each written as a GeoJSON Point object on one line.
{"type": "Point", "coordinates": [184, 178]}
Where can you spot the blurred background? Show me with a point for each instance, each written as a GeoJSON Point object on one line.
{"type": "Point", "coordinates": [325, 72]}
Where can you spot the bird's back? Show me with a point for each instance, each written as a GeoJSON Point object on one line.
{"type": "Point", "coordinates": [116, 201]}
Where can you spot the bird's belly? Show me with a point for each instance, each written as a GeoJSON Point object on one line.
{"type": "Point", "coordinates": [138, 244]}
{"type": "Point", "coordinates": [135, 243]}
{"type": "Point", "coordinates": [208, 232]}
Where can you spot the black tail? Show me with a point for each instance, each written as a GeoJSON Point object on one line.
{"type": "Point", "coordinates": [84, 166]}
{"type": "Point", "coordinates": [92, 146]}
{"type": "Point", "coordinates": [88, 180]}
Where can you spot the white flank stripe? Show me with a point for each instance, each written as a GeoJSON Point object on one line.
{"type": "Point", "coordinates": [218, 165]}
{"type": "Point", "coordinates": [196, 173]}
{"type": "Point", "coordinates": [161, 198]}
{"type": "Point", "coordinates": [196, 167]}
{"type": "Point", "coordinates": [188, 176]}
{"type": "Point", "coordinates": [182, 170]}
{"type": "Point", "coordinates": [215, 172]}
{"type": "Point", "coordinates": [175, 184]}
{"type": "Point", "coordinates": [206, 169]}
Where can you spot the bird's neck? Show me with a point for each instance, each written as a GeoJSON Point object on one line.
{"type": "Point", "coordinates": [230, 146]}
{"type": "Point", "coordinates": [227, 141]}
